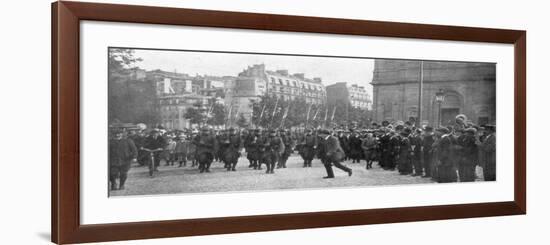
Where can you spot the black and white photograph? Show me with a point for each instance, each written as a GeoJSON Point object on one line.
{"type": "Point", "coordinates": [203, 121]}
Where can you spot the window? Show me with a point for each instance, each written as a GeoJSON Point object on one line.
{"type": "Point", "coordinates": [273, 80]}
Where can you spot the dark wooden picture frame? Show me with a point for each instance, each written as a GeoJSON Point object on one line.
{"type": "Point", "coordinates": [66, 17]}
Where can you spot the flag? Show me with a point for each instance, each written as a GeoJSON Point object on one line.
{"type": "Point", "coordinates": [316, 112]}
{"type": "Point", "coordinates": [229, 114]}
{"type": "Point", "coordinates": [326, 113]}
{"type": "Point", "coordinates": [308, 110]}
{"type": "Point", "coordinates": [333, 111]}
{"type": "Point", "coordinates": [262, 113]}
{"type": "Point", "coordinates": [284, 116]}
{"type": "Point", "coordinates": [275, 108]}
{"type": "Point", "coordinates": [237, 114]}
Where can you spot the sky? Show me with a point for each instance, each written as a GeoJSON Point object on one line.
{"type": "Point", "coordinates": [330, 69]}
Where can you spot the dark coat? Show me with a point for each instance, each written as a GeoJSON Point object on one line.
{"type": "Point", "coordinates": [205, 144]}
{"type": "Point", "coordinates": [334, 151]}
{"type": "Point", "coordinates": [308, 148]}
{"type": "Point", "coordinates": [121, 151]}
{"type": "Point", "coordinates": [152, 144]}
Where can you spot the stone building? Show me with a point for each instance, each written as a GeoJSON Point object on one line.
{"type": "Point", "coordinates": [176, 92]}
{"type": "Point", "coordinates": [466, 88]}
{"type": "Point", "coordinates": [256, 81]}
{"type": "Point", "coordinates": [355, 95]}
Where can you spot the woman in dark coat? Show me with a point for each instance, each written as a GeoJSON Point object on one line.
{"type": "Point", "coordinates": [443, 146]}
{"type": "Point", "coordinates": [404, 162]}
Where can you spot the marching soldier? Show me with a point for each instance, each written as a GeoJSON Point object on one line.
{"type": "Point", "coordinates": [254, 144]}
{"type": "Point", "coordinates": [273, 148]}
{"type": "Point", "coordinates": [287, 141]}
{"type": "Point", "coordinates": [333, 154]}
{"type": "Point", "coordinates": [223, 143]}
{"type": "Point", "coordinates": [232, 144]}
{"type": "Point", "coordinates": [122, 152]}
{"type": "Point", "coordinates": [205, 144]}
{"type": "Point", "coordinates": [247, 137]}
{"type": "Point", "coordinates": [309, 145]}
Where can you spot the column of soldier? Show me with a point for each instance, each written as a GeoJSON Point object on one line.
{"type": "Point", "coordinates": [445, 154]}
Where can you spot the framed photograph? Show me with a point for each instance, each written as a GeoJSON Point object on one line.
{"type": "Point", "coordinates": [180, 122]}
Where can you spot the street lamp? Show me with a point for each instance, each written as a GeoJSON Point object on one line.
{"type": "Point", "coordinates": [439, 98]}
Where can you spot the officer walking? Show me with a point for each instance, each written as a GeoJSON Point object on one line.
{"type": "Point", "coordinates": [205, 149]}
{"type": "Point", "coordinates": [333, 154]}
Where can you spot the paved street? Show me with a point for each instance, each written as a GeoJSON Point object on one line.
{"type": "Point", "coordinates": [171, 179]}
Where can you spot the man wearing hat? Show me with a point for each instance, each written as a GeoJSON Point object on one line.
{"type": "Point", "coordinates": [205, 149]}
{"type": "Point", "coordinates": [273, 149]}
{"type": "Point", "coordinates": [122, 152]}
{"type": "Point", "coordinates": [468, 157]}
{"type": "Point", "coordinates": [488, 149]}
{"type": "Point", "coordinates": [333, 154]}
{"type": "Point", "coordinates": [369, 146]}
{"type": "Point", "coordinates": [309, 145]}
{"type": "Point", "coordinates": [427, 142]}
{"type": "Point", "coordinates": [355, 151]}
{"type": "Point", "coordinates": [254, 152]}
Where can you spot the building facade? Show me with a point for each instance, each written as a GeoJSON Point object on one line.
{"type": "Point", "coordinates": [256, 81]}
{"type": "Point", "coordinates": [465, 87]}
{"type": "Point", "coordinates": [176, 92]}
{"type": "Point", "coordinates": [355, 95]}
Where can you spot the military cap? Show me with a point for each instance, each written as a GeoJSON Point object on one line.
{"type": "Point", "coordinates": [205, 128]}
{"type": "Point", "coordinates": [443, 130]}
{"type": "Point", "coordinates": [323, 131]}
{"type": "Point", "coordinates": [385, 123]}
{"type": "Point", "coordinates": [399, 127]}
{"type": "Point", "coordinates": [428, 129]}
{"type": "Point", "coordinates": [471, 130]}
